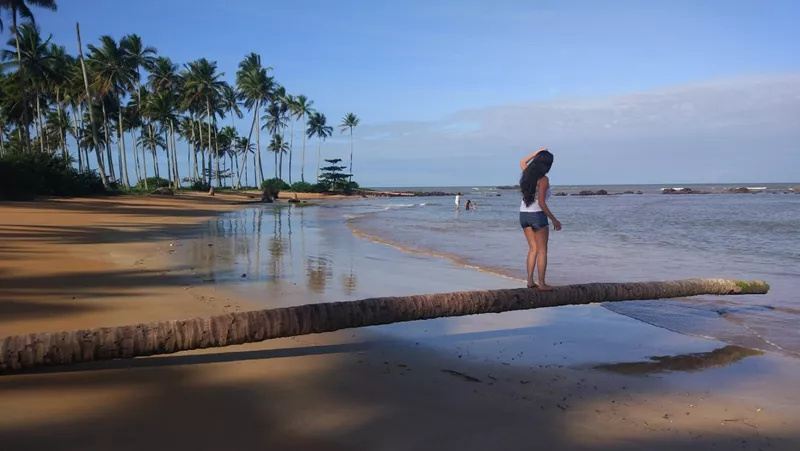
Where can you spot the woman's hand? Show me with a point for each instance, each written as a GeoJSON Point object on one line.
{"type": "Point", "coordinates": [524, 163]}
{"type": "Point", "coordinates": [556, 225]}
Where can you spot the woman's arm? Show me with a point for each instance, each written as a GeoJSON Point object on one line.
{"type": "Point", "coordinates": [542, 186]}
{"type": "Point", "coordinates": [524, 163]}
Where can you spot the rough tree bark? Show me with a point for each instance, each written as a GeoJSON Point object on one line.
{"type": "Point", "coordinates": [36, 350]}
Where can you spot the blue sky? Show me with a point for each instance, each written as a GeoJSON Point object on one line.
{"type": "Point", "coordinates": [455, 92]}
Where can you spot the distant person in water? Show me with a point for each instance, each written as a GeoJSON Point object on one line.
{"type": "Point", "coordinates": [534, 212]}
{"type": "Point", "coordinates": [458, 201]}
{"type": "Point", "coordinates": [468, 204]}
{"type": "Point", "coordinates": [474, 206]}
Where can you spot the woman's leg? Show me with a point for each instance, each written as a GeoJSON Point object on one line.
{"type": "Point", "coordinates": [531, 262]}
{"type": "Point", "coordinates": [540, 237]}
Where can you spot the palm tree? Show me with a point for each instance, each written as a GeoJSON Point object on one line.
{"type": "Point", "coordinates": [142, 104]}
{"type": "Point", "coordinates": [113, 78]}
{"type": "Point", "coordinates": [63, 348]}
{"type": "Point", "coordinates": [203, 84]}
{"type": "Point", "coordinates": [350, 121]}
{"type": "Point", "coordinates": [274, 123]}
{"type": "Point", "coordinates": [162, 109]}
{"type": "Point", "coordinates": [317, 126]}
{"type": "Point", "coordinates": [138, 56]}
{"type": "Point", "coordinates": [34, 69]}
{"type": "Point", "coordinates": [230, 101]}
{"type": "Point", "coordinates": [279, 147]}
{"type": "Point", "coordinates": [303, 108]}
{"type": "Point", "coordinates": [132, 121]}
{"type": "Point", "coordinates": [255, 86]}
{"type": "Point", "coordinates": [154, 141]}
{"type": "Point", "coordinates": [165, 83]}
{"type": "Point", "coordinates": [291, 104]}
{"type": "Point", "coordinates": [282, 99]}
{"type": "Point", "coordinates": [89, 98]}
{"type": "Point", "coordinates": [61, 66]}
{"type": "Point", "coordinates": [243, 147]}
{"type": "Point", "coordinates": [20, 8]}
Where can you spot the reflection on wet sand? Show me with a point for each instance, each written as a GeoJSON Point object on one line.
{"type": "Point", "coordinates": [275, 249]}
{"type": "Point", "coordinates": [686, 362]}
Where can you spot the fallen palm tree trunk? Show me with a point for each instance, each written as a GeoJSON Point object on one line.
{"type": "Point", "coordinates": [106, 343]}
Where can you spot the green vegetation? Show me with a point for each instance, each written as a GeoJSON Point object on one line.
{"type": "Point", "coordinates": [333, 177]}
{"type": "Point", "coordinates": [277, 184]}
{"type": "Point", "coordinates": [24, 176]}
{"type": "Point", "coordinates": [120, 110]}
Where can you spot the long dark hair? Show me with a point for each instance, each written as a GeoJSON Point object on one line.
{"type": "Point", "coordinates": [536, 169]}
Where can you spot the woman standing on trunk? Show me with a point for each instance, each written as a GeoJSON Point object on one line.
{"type": "Point", "coordinates": [534, 212]}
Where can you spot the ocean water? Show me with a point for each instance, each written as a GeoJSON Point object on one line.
{"type": "Point", "coordinates": [618, 238]}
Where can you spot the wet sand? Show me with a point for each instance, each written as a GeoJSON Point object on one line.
{"type": "Point", "coordinates": [522, 380]}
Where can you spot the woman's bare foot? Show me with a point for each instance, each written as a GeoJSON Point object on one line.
{"type": "Point", "coordinates": [545, 287]}
{"type": "Point", "coordinates": [532, 285]}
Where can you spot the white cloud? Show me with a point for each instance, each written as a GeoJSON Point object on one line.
{"type": "Point", "coordinates": [680, 133]}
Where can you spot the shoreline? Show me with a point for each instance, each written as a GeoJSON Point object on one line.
{"type": "Point", "coordinates": [468, 383]}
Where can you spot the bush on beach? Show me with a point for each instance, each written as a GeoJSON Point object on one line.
{"type": "Point", "coordinates": [26, 175]}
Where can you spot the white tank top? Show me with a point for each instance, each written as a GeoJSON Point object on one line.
{"type": "Point", "coordinates": [534, 207]}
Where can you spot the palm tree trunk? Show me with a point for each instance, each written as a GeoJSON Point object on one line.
{"type": "Point", "coordinates": [27, 144]}
{"type": "Point", "coordinates": [100, 167]}
{"type": "Point", "coordinates": [61, 348]}
{"type": "Point", "coordinates": [174, 155]}
{"type": "Point", "coordinates": [194, 150]}
{"type": "Point", "coordinates": [291, 146]}
{"type": "Point", "coordinates": [351, 155]}
{"type": "Point", "coordinates": [153, 151]}
{"type": "Point", "coordinates": [121, 147]}
{"type": "Point", "coordinates": [108, 140]}
{"type": "Point", "coordinates": [39, 121]}
{"type": "Point", "coordinates": [280, 156]}
{"type": "Point", "coordinates": [83, 164]}
{"type": "Point", "coordinates": [137, 166]}
{"type": "Point", "coordinates": [144, 161]}
{"type": "Point", "coordinates": [244, 154]}
{"type": "Point", "coordinates": [235, 160]}
{"type": "Point", "coordinates": [258, 148]}
{"type": "Point", "coordinates": [208, 117]}
{"type": "Point", "coordinates": [169, 160]}
{"type": "Point", "coordinates": [303, 153]}
{"type": "Point", "coordinates": [216, 155]}
{"type": "Point", "coordinates": [319, 154]}
{"type": "Point", "coordinates": [62, 134]}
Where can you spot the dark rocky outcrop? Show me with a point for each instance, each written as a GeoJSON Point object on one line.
{"type": "Point", "coordinates": [560, 193]}
{"type": "Point", "coordinates": [600, 192]}
{"type": "Point", "coordinates": [740, 190]}
{"type": "Point", "coordinates": [269, 194]}
{"type": "Point", "coordinates": [682, 191]}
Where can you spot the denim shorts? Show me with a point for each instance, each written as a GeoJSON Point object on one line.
{"type": "Point", "coordinates": [536, 220]}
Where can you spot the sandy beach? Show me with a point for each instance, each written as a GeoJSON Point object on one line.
{"type": "Point", "coordinates": [573, 378]}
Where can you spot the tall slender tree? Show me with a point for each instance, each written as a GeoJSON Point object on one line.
{"type": "Point", "coordinates": [203, 84]}
{"type": "Point", "coordinates": [317, 126]}
{"type": "Point", "coordinates": [349, 122]}
{"type": "Point", "coordinates": [303, 109]}
{"type": "Point", "coordinates": [21, 9]}
{"type": "Point", "coordinates": [113, 78]}
{"type": "Point", "coordinates": [256, 87]}
{"type": "Point", "coordinates": [95, 136]}
{"type": "Point", "coordinates": [138, 56]}
{"type": "Point", "coordinates": [274, 122]}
